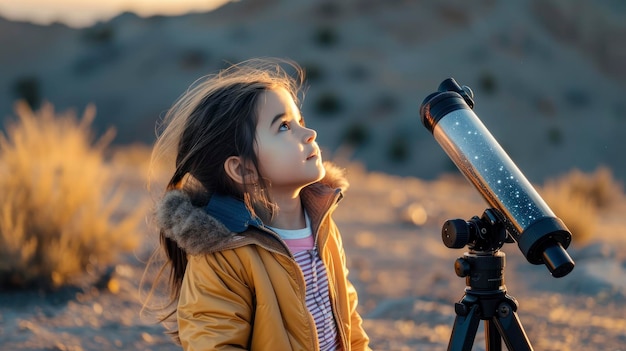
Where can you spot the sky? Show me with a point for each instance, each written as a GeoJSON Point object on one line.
{"type": "Point", "coordinates": [83, 13]}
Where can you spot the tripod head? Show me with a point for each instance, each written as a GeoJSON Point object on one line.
{"type": "Point", "coordinates": [481, 234]}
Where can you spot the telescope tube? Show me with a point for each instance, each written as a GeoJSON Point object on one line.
{"type": "Point", "coordinates": [540, 235]}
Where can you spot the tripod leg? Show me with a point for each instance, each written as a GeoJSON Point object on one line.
{"type": "Point", "coordinates": [511, 329]}
{"type": "Point", "coordinates": [464, 329]}
{"type": "Point", "coordinates": [492, 337]}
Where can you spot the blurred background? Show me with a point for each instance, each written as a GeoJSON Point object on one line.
{"type": "Point", "coordinates": [548, 75]}
{"type": "Point", "coordinates": [83, 85]}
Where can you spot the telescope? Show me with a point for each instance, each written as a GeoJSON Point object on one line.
{"type": "Point", "coordinates": [517, 214]}
{"type": "Point", "coordinates": [541, 236]}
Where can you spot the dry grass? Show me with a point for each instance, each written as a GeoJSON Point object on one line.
{"type": "Point", "coordinates": [59, 204]}
{"type": "Point", "coordinates": [577, 197]}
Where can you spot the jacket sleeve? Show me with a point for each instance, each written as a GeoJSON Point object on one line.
{"type": "Point", "coordinates": [215, 306]}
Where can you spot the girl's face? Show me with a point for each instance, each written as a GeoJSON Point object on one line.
{"type": "Point", "coordinates": [288, 155]}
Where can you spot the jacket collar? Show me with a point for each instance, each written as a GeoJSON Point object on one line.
{"type": "Point", "coordinates": [232, 212]}
{"type": "Point", "coordinates": [199, 230]}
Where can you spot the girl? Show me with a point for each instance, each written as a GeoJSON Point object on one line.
{"type": "Point", "coordinates": [255, 259]}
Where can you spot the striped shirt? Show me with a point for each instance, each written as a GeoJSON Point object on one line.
{"type": "Point", "coordinates": [302, 245]}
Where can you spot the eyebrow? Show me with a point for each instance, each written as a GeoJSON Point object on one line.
{"type": "Point", "coordinates": [277, 117]}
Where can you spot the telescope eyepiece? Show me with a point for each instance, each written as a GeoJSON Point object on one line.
{"type": "Point", "coordinates": [557, 260]}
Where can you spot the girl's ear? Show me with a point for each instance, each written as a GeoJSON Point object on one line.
{"type": "Point", "coordinates": [239, 172]}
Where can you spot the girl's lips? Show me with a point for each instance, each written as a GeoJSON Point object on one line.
{"type": "Point", "coordinates": [313, 155]}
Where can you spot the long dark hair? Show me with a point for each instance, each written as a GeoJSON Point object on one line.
{"type": "Point", "coordinates": [214, 119]}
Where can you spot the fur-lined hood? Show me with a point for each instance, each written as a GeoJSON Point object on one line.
{"type": "Point", "coordinates": [197, 232]}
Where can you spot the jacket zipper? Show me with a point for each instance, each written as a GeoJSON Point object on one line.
{"type": "Point", "coordinates": [331, 283]}
{"type": "Point", "coordinates": [340, 330]}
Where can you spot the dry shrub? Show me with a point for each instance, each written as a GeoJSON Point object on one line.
{"type": "Point", "coordinates": [577, 197]}
{"type": "Point", "coordinates": [599, 187]}
{"type": "Point", "coordinates": [59, 205]}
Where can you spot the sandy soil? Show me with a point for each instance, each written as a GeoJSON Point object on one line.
{"type": "Point", "coordinates": [402, 270]}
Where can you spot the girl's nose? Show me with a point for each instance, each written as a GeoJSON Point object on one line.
{"type": "Point", "coordinates": [310, 135]}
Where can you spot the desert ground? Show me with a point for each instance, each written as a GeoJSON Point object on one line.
{"type": "Point", "coordinates": [399, 265]}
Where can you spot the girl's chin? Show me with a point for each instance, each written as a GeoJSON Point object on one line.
{"type": "Point", "coordinates": [322, 173]}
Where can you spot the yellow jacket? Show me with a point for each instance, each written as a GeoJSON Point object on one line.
{"type": "Point", "coordinates": [242, 289]}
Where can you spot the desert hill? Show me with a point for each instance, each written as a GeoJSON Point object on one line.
{"type": "Point", "coordinates": [547, 75]}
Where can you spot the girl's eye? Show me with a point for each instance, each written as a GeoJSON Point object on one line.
{"type": "Point", "coordinates": [284, 126]}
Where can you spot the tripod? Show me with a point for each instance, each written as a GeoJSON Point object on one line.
{"type": "Point", "coordinates": [485, 293]}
